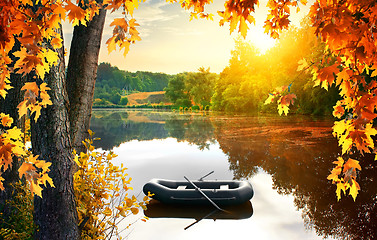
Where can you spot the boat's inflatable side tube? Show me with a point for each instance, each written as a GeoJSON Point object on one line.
{"type": "Point", "coordinates": [182, 192]}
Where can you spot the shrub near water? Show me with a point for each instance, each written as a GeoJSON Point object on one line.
{"type": "Point", "coordinates": [101, 194]}
{"type": "Point", "coordinates": [20, 224]}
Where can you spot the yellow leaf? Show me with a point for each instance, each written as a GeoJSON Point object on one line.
{"type": "Point", "coordinates": [107, 211]}
{"type": "Point", "coordinates": [270, 99]}
{"type": "Point", "coordinates": [22, 108]}
{"type": "Point", "coordinates": [14, 133]}
{"type": "Point", "coordinates": [283, 109]}
{"type": "Point", "coordinates": [302, 64]}
{"type": "Point", "coordinates": [51, 56]}
{"type": "Point", "coordinates": [45, 178]}
{"type": "Point", "coordinates": [339, 187]}
{"type": "Point", "coordinates": [36, 189]}
{"type": "Point", "coordinates": [243, 27]}
{"type": "Point", "coordinates": [354, 189]}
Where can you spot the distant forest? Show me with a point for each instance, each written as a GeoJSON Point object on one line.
{"type": "Point", "coordinates": [244, 84]}
{"type": "Point", "coordinates": [112, 84]}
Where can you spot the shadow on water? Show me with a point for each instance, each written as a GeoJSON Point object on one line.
{"type": "Point", "coordinates": [297, 152]}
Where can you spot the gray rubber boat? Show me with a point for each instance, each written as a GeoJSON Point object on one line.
{"type": "Point", "coordinates": [223, 193]}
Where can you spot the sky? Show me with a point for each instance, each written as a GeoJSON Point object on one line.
{"type": "Point", "coordinates": [171, 43]}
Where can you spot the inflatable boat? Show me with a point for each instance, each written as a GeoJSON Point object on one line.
{"type": "Point", "coordinates": [223, 193]}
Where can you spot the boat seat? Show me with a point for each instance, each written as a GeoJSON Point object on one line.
{"type": "Point", "coordinates": [181, 187]}
{"type": "Point", "coordinates": [224, 187]}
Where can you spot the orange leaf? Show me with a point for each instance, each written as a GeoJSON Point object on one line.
{"type": "Point", "coordinates": [32, 86]}
{"type": "Point", "coordinates": [6, 120]}
{"type": "Point", "coordinates": [6, 156]}
{"type": "Point", "coordinates": [327, 75]}
{"type": "Point", "coordinates": [75, 14]}
{"type": "Point", "coordinates": [338, 110]}
{"type": "Point", "coordinates": [120, 22]}
{"type": "Point", "coordinates": [25, 167]}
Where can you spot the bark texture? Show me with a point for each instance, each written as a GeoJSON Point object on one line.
{"type": "Point", "coordinates": [81, 76]}
{"type": "Point", "coordinates": [55, 213]}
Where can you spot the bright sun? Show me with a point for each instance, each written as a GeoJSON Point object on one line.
{"type": "Point", "coordinates": [260, 40]}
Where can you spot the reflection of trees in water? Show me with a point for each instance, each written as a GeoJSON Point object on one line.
{"type": "Point", "coordinates": [117, 127]}
{"type": "Point", "coordinates": [299, 158]}
{"type": "Point", "coordinates": [196, 130]}
{"type": "Point", "coordinates": [114, 128]}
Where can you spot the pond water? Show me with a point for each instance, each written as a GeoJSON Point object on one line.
{"type": "Point", "coordinates": [286, 159]}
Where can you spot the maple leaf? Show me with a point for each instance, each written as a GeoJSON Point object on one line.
{"type": "Point", "coordinates": [6, 120]}
{"type": "Point", "coordinates": [32, 86]}
{"type": "Point", "coordinates": [327, 75]}
{"type": "Point", "coordinates": [25, 168]}
{"type": "Point", "coordinates": [339, 188]}
{"type": "Point", "coordinates": [119, 22]}
{"type": "Point", "coordinates": [5, 156]}
{"type": "Point", "coordinates": [358, 137]}
{"type": "Point", "coordinates": [270, 99]}
{"type": "Point", "coordinates": [75, 14]}
{"type": "Point", "coordinates": [354, 189]}
{"type": "Point", "coordinates": [334, 176]}
{"type": "Point", "coordinates": [243, 27]}
{"type": "Point", "coordinates": [338, 110]}
{"type": "Point", "coordinates": [59, 10]}
{"type": "Point", "coordinates": [302, 64]}
{"type": "Point", "coordinates": [56, 43]}
{"type": "Point", "coordinates": [22, 108]}
{"type": "Point", "coordinates": [44, 179]}
{"type": "Point", "coordinates": [283, 109]}
{"type": "Point", "coordinates": [288, 99]}
{"type": "Point", "coordinates": [36, 189]}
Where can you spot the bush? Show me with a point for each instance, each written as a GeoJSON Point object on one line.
{"type": "Point", "coordinates": [115, 98]}
{"type": "Point", "coordinates": [101, 194]}
{"type": "Point", "coordinates": [20, 225]}
{"type": "Point", "coordinates": [99, 101]}
{"type": "Point", "coordinates": [123, 101]}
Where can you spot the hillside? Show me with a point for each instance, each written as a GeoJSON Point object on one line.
{"type": "Point", "coordinates": [147, 97]}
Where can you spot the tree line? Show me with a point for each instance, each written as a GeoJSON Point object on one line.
{"type": "Point", "coordinates": [113, 84]}
{"type": "Point", "coordinates": [250, 77]}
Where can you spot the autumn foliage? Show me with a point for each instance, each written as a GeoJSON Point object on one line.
{"type": "Point", "coordinates": [35, 24]}
{"type": "Point", "coordinates": [348, 28]}
{"type": "Point", "coordinates": [101, 190]}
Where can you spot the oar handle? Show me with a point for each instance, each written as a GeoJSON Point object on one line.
{"type": "Point", "coordinates": [205, 195]}
{"type": "Point", "coordinates": [201, 179]}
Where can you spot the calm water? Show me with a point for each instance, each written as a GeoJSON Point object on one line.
{"type": "Point", "coordinates": [287, 160]}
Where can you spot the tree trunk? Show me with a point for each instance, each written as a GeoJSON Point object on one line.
{"type": "Point", "coordinates": [55, 213]}
{"type": "Point", "coordinates": [81, 76]}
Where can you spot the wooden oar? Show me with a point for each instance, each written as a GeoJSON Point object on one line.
{"type": "Point", "coordinates": [201, 192]}
{"type": "Point", "coordinates": [201, 179]}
